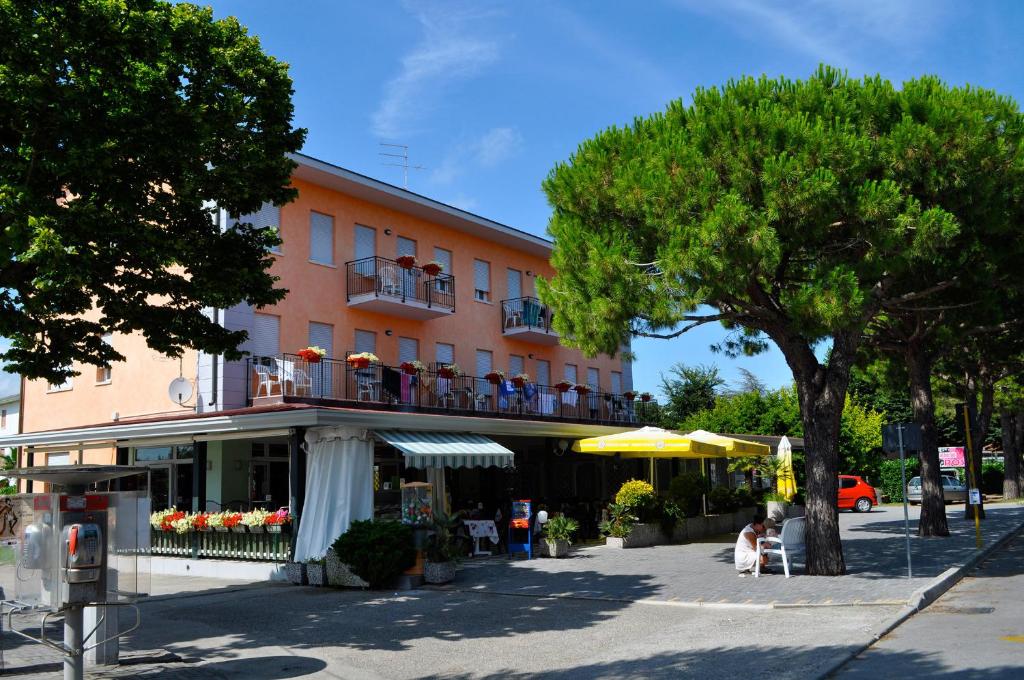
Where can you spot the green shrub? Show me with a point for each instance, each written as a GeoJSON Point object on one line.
{"type": "Point", "coordinates": [620, 521]}
{"type": "Point", "coordinates": [742, 498]}
{"type": "Point", "coordinates": [442, 545]}
{"type": "Point", "coordinates": [561, 528]}
{"type": "Point", "coordinates": [377, 552]}
{"type": "Point", "coordinates": [889, 477]}
{"type": "Point", "coordinates": [669, 515]}
{"type": "Point", "coordinates": [722, 499]}
{"type": "Point", "coordinates": [635, 494]}
{"type": "Point", "coordinates": [686, 490]}
{"type": "Point", "coordinates": [992, 475]}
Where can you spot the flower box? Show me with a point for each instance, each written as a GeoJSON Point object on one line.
{"type": "Point", "coordinates": [630, 396]}
{"type": "Point", "coordinates": [359, 363]}
{"type": "Point", "coordinates": [410, 367]}
{"type": "Point", "coordinates": [312, 355]}
{"type": "Point", "coordinates": [362, 360]}
{"type": "Point", "coordinates": [406, 261]}
{"type": "Point", "coordinates": [581, 389]}
{"type": "Point", "coordinates": [494, 377]}
{"type": "Point", "coordinates": [518, 382]}
{"type": "Point", "coordinates": [221, 530]}
{"type": "Point", "coordinates": [238, 529]}
{"type": "Point", "coordinates": [563, 386]}
{"type": "Point", "coordinates": [646, 397]}
{"type": "Point", "coordinates": [448, 372]}
{"type": "Point", "coordinates": [432, 268]}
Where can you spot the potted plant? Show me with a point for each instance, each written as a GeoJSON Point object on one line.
{"type": "Point", "coordinates": [362, 359]}
{"type": "Point", "coordinates": [449, 371]}
{"type": "Point", "coordinates": [433, 268]}
{"type": "Point", "coordinates": [233, 521]}
{"type": "Point", "coordinates": [495, 377]}
{"type": "Point", "coordinates": [315, 573]}
{"type": "Point", "coordinates": [377, 551]}
{"type": "Point", "coordinates": [216, 521]}
{"type": "Point", "coordinates": [629, 395]}
{"type": "Point", "coordinates": [413, 367]}
{"type": "Point", "coordinates": [278, 521]}
{"type": "Point", "coordinates": [582, 389]}
{"type": "Point", "coordinates": [201, 522]}
{"type": "Point", "coordinates": [312, 354]}
{"type": "Point", "coordinates": [558, 534]}
{"type": "Point", "coordinates": [646, 397]}
{"type": "Point", "coordinates": [775, 505]}
{"type": "Point", "coordinates": [255, 520]}
{"type": "Point", "coordinates": [442, 551]}
{"type": "Point", "coordinates": [563, 386]}
{"type": "Point", "coordinates": [520, 380]}
{"type": "Point", "coordinates": [297, 573]}
{"type": "Point", "coordinates": [406, 261]}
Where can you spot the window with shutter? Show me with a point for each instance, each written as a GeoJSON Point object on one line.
{"type": "Point", "coordinates": [405, 246]}
{"type": "Point", "coordinates": [594, 378]}
{"type": "Point", "coordinates": [570, 373]}
{"type": "Point", "coordinates": [366, 341]}
{"type": "Point", "coordinates": [515, 284]}
{"type": "Point", "coordinates": [408, 349]}
{"type": "Point", "coordinates": [444, 257]}
{"type": "Point", "coordinates": [516, 365]}
{"type": "Point", "coordinates": [322, 377]}
{"type": "Point", "coordinates": [103, 373]}
{"type": "Point", "coordinates": [543, 372]}
{"type": "Point", "coordinates": [484, 362]}
{"type": "Point", "coordinates": [266, 335]}
{"type": "Point", "coordinates": [366, 242]}
{"type": "Point", "coordinates": [482, 280]}
{"type": "Point", "coordinates": [445, 353]}
{"type": "Point", "coordinates": [616, 382]}
{"type": "Point", "coordinates": [269, 215]}
{"type": "Point", "coordinates": [321, 238]}
{"type": "Point", "coordinates": [322, 335]}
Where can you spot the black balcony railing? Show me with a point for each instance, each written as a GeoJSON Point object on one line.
{"type": "Point", "coordinates": [435, 390]}
{"type": "Point", "coordinates": [384, 278]}
{"type": "Point", "coordinates": [525, 313]}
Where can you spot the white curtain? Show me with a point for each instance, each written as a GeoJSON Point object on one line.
{"type": "Point", "coordinates": [339, 487]}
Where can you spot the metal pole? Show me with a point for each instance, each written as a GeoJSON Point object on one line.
{"type": "Point", "coordinates": [73, 659]}
{"type": "Point", "coordinates": [906, 512]}
{"type": "Point", "coordinates": [971, 477]}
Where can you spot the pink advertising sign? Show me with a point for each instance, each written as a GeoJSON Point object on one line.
{"type": "Point", "coordinates": [951, 456]}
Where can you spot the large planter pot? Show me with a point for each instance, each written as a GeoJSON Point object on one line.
{"type": "Point", "coordinates": [438, 572]}
{"type": "Point", "coordinates": [776, 510]}
{"type": "Point", "coordinates": [720, 524]}
{"type": "Point", "coordinates": [315, 575]}
{"type": "Point", "coordinates": [641, 536]}
{"type": "Point", "coordinates": [221, 530]}
{"type": "Point", "coordinates": [256, 530]}
{"type": "Point", "coordinates": [296, 572]}
{"type": "Point", "coordinates": [557, 547]}
{"type": "Point", "coordinates": [238, 529]}
{"type": "Point", "coordinates": [696, 527]}
{"type": "Point", "coordinates": [338, 573]}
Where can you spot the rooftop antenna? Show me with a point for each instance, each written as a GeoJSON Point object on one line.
{"type": "Point", "coordinates": [403, 156]}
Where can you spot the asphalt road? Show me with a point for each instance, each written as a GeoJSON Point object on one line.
{"type": "Point", "coordinates": [973, 632]}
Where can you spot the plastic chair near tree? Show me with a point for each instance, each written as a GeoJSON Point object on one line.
{"type": "Point", "coordinates": [790, 542]}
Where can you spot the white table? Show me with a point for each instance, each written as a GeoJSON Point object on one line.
{"type": "Point", "coordinates": [481, 528]}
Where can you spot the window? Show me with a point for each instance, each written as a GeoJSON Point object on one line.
{"type": "Point", "coordinates": [322, 335]}
{"type": "Point", "coordinates": [543, 372]}
{"type": "Point", "coordinates": [515, 284]}
{"type": "Point", "coordinates": [594, 378]}
{"type": "Point", "coordinates": [484, 362]}
{"type": "Point", "coordinates": [366, 341]}
{"type": "Point", "coordinates": [444, 353]}
{"type": "Point", "coordinates": [62, 458]}
{"type": "Point", "coordinates": [3, 418]}
{"type": "Point", "coordinates": [444, 258]}
{"type": "Point", "coordinates": [65, 386]}
{"type": "Point", "coordinates": [366, 242]}
{"type": "Point", "coordinates": [570, 373]}
{"type": "Point", "coordinates": [266, 335]}
{"type": "Point", "coordinates": [405, 246]}
{"type": "Point", "coordinates": [321, 238]}
{"type": "Point", "coordinates": [616, 382]}
{"type": "Point", "coordinates": [847, 483]}
{"type": "Point", "coordinates": [516, 365]}
{"type": "Point", "coordinates": [153, 453]}
{"type": "Point", "coordinates": [408, 349]}
{"type": "Point", "coordinates": [269, 215]}
{"type": "Point", "coordinates": [103, 373]}
{"type": "Point", "coordinates": [482, 280]}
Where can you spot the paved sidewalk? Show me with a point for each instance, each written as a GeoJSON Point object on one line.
{"type": "Point", "coordinates": [703, 573]}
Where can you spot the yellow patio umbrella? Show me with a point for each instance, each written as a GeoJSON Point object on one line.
{"type": "Point", "coordinates": [786, 480]}
{"type": "Point", "coordinates": [649, 442]}
{"type": "Point", "coordinates": [734, 448]}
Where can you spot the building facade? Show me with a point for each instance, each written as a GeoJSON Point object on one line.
{"type": "Point", "coordinates": [358, 258]}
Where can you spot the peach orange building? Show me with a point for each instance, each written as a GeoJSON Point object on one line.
{"type": "Point", "coordinates": [445, 302]}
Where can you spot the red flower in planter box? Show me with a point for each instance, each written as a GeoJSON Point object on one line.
{"type": "Point", "coordinates": [312, 354]}
{"type": "Point", "coordinates": [433, 268]}
{"type": "Point", "coordinates": [232, 520]}
{"type": "Point", "coordinates": [563, 386]}
{"type": "Point", "coordinates": [494, 377]}
{"type": "Point", "coordinates": [646, 396]}
{"type": "Point", "coordinates": [630, 396]}
{"type": "Point", "coordinates": [582, 389]}
{"type": "Point", "coordinates": [412, 367]}
{"type": "Point", "coordinates": [406, 261]}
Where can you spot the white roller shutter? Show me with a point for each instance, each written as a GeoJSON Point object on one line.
{"type": "Point", "coordinates": [445, 258]}
{"type": "Point", "coordinates": [266, 335]}
{"type": "Point", "coordinates": [445, 353]}
{"type": "Point", "coordinates": [570, 373]}
{"type": "Point", "coordinates": [543, 372]}
{"type": "Point", "coordinates": [366, 242]}
{"type": "Point", "coordinates": [366, 341]}
{"type": "Point", "coordinates": [484, 362]}
{"type": "Point", "coordinates": [321, 238]}
{"type": "Point", "coordinates": [594, 378]}
{"type": "Point", "coordinates": [322, 335]}
{"type": "Point", "coordinates": [515, 284]}
{"type": "Point", "coordinates": [405, 246]}
{"type": "Point", "coordinates": [616, 382]}
{"type": "Point", "coordinates": [516, 365]}
{"type": "Point", "coordinates": [482, 279]}
{"type": "Point", "coordinates": [408, 349]}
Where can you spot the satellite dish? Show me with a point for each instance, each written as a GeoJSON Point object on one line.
{"type": "Point", "coordinates": [180, 390]}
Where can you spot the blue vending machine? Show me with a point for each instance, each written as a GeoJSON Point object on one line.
{"type": "Point", "coordinates": [520, 538]}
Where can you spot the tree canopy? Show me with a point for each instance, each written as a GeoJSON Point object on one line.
{"type": "Point", "coordinates": [123, 124]}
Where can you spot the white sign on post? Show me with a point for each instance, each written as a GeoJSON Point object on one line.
{"type": "Point", "coordinates": [975, 497]}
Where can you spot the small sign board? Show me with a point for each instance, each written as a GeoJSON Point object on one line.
{"type": "Point", "coordinates": [975, 497]}
{"type": "Point", "coordinates": [891, 437]}
{"type": "Point", "coordinates": [951, 456]}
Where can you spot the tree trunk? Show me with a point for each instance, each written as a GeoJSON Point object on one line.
{"type": "Point", "coordinates": [1018, 422]}
{"type": "Point", "coordinates": [822, 392]}
{"type": "Point", "coordinates": [933, 507]}
{"type": "Point", "coordinates": [1011, 454]}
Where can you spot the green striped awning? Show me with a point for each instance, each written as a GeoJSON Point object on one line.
{"type": "Point", "coordinates": [447, 449]}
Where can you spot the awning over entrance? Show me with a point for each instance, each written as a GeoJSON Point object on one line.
{"type": "Point", "coordinates": [447, 449]}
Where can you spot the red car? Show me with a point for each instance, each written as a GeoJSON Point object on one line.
{"type": "Point", "coordinates": [856, 494]}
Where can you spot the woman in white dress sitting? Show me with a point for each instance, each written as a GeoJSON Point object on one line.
{"type": "Point", "coordinates": [746, 547]}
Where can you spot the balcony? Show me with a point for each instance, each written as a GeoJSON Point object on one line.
{"type": "Point", "coordinates": [526, 318]}
{"type": "Point", "coordinates": [377, 284]}
{"type": "Point", "coordinates": [334, 382]}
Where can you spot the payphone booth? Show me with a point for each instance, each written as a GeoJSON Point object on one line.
{"type": "Point", "coordinates": [75, 553]}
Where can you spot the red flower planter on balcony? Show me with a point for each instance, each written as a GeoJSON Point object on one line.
{"type": "Point", "coordinates": [431, 269]}
{"type": "Point", "coordinates": [494, 378]}
{"type": "Point", "coordinates": [582, 389]}
{"type": "Point", "coordinates": [408, 368]}
{"type": "Point", "coordinates": [563, 386]}
{"type": "Point", "coordinates": [446, 373]}
{"type": "Point", "coordinates": [406, 261]}
{"type": "Point", "coordinates": [309, 356]}
{"type": "Point", "coordinates": [518, 382]}
{"type": "Point", "coordinates": [359, 362]}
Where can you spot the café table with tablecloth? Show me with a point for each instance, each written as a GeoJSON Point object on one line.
{"type": "Point", "coordinates": [481, 528]}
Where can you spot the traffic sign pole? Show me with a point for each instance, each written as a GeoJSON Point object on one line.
{"type": "Point", "coordinates": [971, 477]}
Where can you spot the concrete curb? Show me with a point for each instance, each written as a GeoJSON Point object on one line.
{"type": "Point", "coordinates": [924, 596]}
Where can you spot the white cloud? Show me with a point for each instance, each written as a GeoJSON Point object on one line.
{"type": "Point", "coordinates": [453, 47]}
{"type": "Point", "coordinates": [486, 151]}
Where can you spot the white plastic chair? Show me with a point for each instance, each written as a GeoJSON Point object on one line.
{"type": "Point", "coordinates": [390, 282]}
{"type": "Point", "coordinates": [298, 377]}
{"type": "Point", "coordinates": [267, 378]}
{"type": "Point", "coordinates": [790, 542]}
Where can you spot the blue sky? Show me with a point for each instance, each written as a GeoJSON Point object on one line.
{"type": "Point", "coordinates": [490, 96]}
